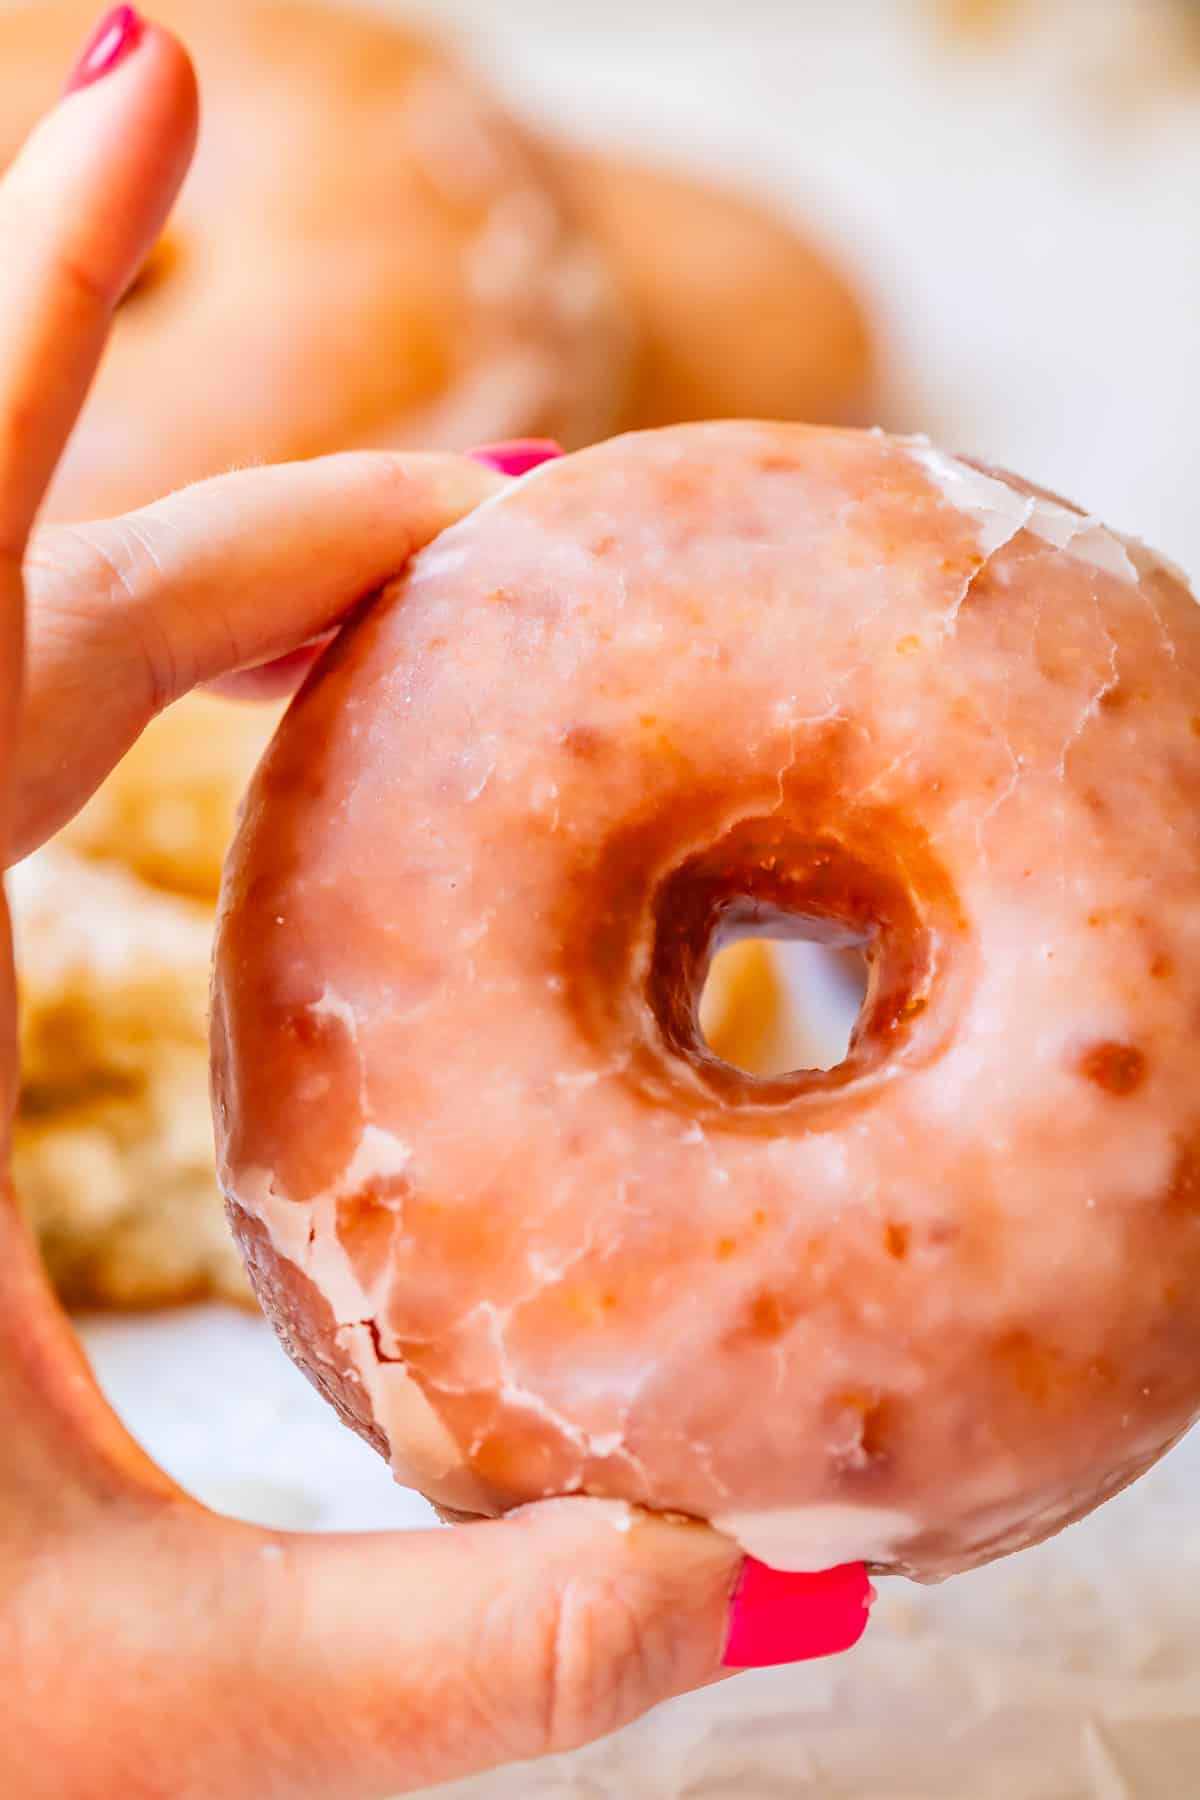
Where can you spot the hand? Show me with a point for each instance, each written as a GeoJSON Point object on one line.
{"type": "Point", "coordinates": [147, 1646]}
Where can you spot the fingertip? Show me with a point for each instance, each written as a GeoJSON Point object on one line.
{"type": "Point", "coordinates": [270, 681]}
{"type": "Point", "coordinates": [175, 71]}
{"type": "Point", "coordinates": [163, 120]}
{"type": "Point", "coordinates": [575, 1615]}
{"type": "Point", "coordinates": [681, 1568]}
{"type": "Point", "coordinates": [92, 185]}
{"type": "Point", "coordinates": [150, 61]}
{"type": "Point", "coordinates": [400, 485]}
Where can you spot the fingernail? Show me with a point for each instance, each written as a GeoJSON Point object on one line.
{"type": "Point", "coordinates": [118, 32]}
{"type": "Point", "coordinates": [782, 1618]}
{"type": "Point", "coordinates": [516, 456]}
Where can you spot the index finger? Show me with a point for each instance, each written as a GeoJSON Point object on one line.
{"type": "Point", "coordinates": [79, 208]}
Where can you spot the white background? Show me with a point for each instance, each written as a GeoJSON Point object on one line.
{"type": "Point", "coordinates": [1026, 220]}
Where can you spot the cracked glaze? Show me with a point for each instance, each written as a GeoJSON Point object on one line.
{"type": "Point", "coordinates": [524, 1230]}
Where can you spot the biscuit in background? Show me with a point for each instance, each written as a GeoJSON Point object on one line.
{"type": "Point", "coordinates": [167, 810]}
{"type": "Point", "coordinates": [112, 1145]}
{"type": "Point", "coordinates": [113, 1153]}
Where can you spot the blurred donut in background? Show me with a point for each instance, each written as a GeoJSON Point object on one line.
{"type": "Point", "coordinates": [1145, 51]}
{"type": "Point", "coordinates": [981, 19]}
{"type": "Point", "coordinates": [736, 314]}
{"type": "Point", "coordinates": [369, 250]}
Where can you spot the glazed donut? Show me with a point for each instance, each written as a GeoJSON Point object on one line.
{"type": "Point", "coordinates": [522, 1227]}
{"type": "Point", "coordinates": [368, 251]}
{"type": "Point", "coordinates": [736, 314]}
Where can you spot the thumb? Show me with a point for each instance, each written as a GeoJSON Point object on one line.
{"type": "Point", "coordinates": [410, 1659]}
{"type": "Point", "coordinates": [126, 615]}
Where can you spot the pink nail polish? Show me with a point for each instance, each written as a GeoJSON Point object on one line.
{"type": "Point", "coordinates": [517, 456]}
{"type": "Point", "coordinates": [780, 1618]}
{"type": "Point", "coordinates": [118, 32]}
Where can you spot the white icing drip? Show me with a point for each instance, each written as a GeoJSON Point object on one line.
{"type": "Point", "coordinates": [424, 1454]}
{"type": "Point", "coordinates": [329, 1266]}
{"type": "Point", "coordinates": [606, 1443]}
{"type": "Point", "coordinates": [401, 1410]}
{"type": "Point", "coordinates": [305, 1231]}
{"type": "Point", "coordinates": [807, 1539]}
{"type": "Point", "coordinates": [378, 1154]}
{"type": "Point", "coordinates": [331, 1005]}
{"type": "Point", "coordinates": [1001, 512]}
{"type": "Point", "coordinates": [592, 1444]}
{"type": "Point", "coordinates": [288, 1223]}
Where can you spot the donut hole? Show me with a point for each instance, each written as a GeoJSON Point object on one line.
{"type": "Point", "coordinates": [639, 936]}
{"type": "Point", "coordinates": [776, 1005]}
{"type": "Point", "coordinates": [777, 879]}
